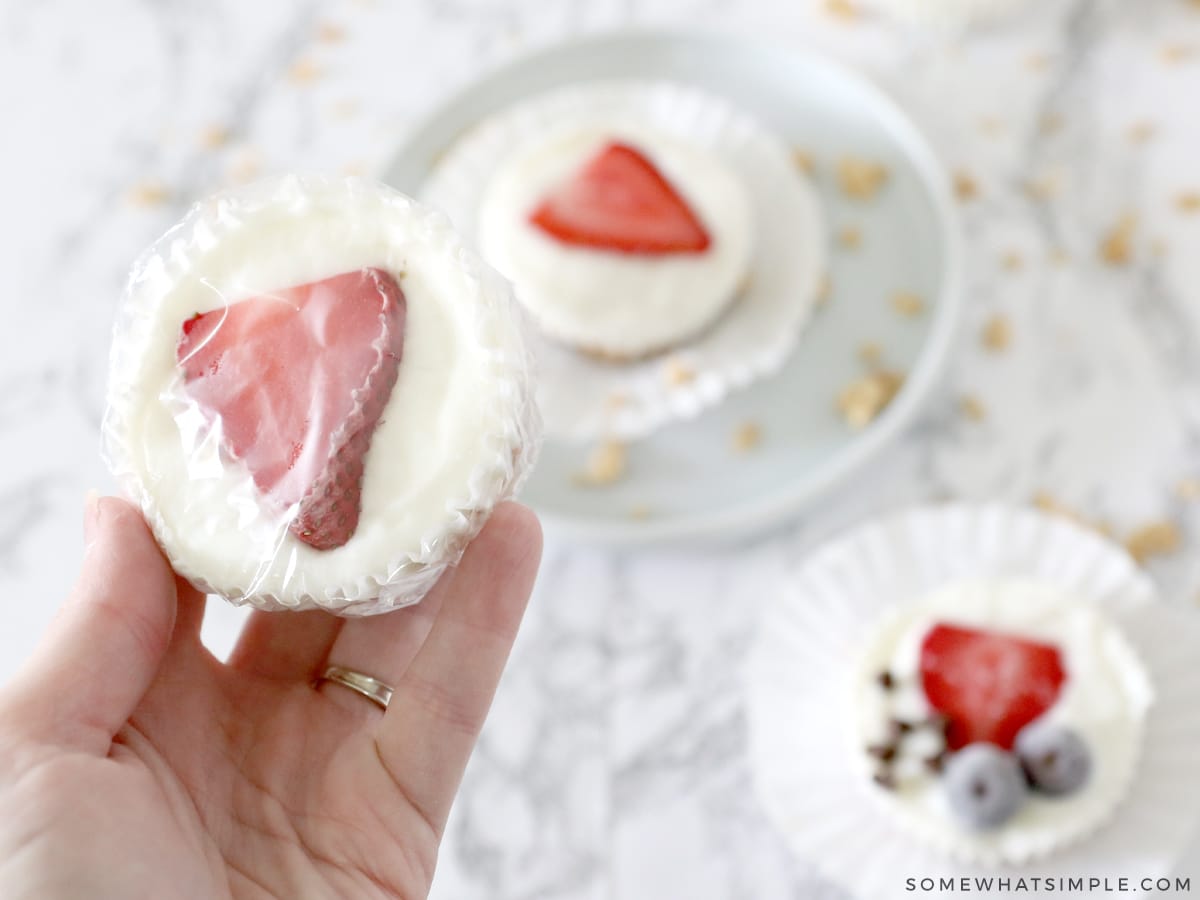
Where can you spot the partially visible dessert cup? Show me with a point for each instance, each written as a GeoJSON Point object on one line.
{"type": "Point", "coordinates": [732, 317]}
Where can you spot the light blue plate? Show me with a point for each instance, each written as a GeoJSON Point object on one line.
{"type": "Point", "coordinates": [686, 481]}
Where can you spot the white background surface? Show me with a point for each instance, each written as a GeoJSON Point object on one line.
{"type": "Point", "coordinates": [614, 764]}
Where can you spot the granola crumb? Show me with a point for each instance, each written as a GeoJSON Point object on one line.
{"type": "Point", "coordinates": [303, 71]}
{"type": "Point", "coordinates": [678, 373]}
{"type": "Point", "coordinates": [214, 137]}
{"type": "Point", "coordinates": [1044, 188]}
{"type": "Point", "coordinates": [908, 304]}
{"type": "Point", "coordinates": [245, 168]}
{"type": "Point", "coordinates": [863, 399]}
{"type": "Point", "coordinates": [1050, 123]}
{"type": "Point", "coordinates": [965, 187]}
{"type": "Point", "coordinates": [1176, 53]}
{"type": "Point", "coordinates": [846, 10]}
{"type": "Point", "coordinates": [1141, 132]}
{"type": "Point", "coordinates": [605, 465]}
{"type": "Point", "coordinates": [870, 354]}
{"type": "Point", "coordinates": [330, 33]}
{"type": "Point", "coordinates": [1188, 201]}
{"type": "Point", "coordinates": [804, 161]}
{"type": "Point", "coordinates": [997, 334]}
{"type": "Point", "coordinates": [1116, 247]}
{"type": "Point", "coordinates": [861, 179]}
{"type": "Point", "coordinates": [850, 237]}
{"type": "Point", "coordinates": [824, 289]}
{"type": "Point", "coordinates": [1188, 488]}
{"type": "Point", "coordinates": [972, 408]}
{"type": "Point", "coordinates": [149, 193]}
{"type": "Point", "coordinates": [1153, 539]}
{"type": "Point", "coordinates": [746, 437]}
{"type": "Point", "coordinates": [1012, 261]}
{"type": "Point", "coordinates": [1050, 505]}
{"type": "Point", "coordinates": [616, 400]}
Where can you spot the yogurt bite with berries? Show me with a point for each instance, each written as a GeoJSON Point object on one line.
{"type": "Point", "coordinates": [999, 721]}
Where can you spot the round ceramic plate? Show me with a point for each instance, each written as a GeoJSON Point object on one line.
{"type": "Point", "coordinates": [687, 480]}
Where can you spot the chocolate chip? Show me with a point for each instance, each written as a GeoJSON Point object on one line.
{"type": "Point", "coordinates": [901, 726]}
{"type": "Point", "coordinates": [936, 763]}
{"type": "Point", "coordinates": [885, 780]}
{"type": "Point", "coordinates": [885, 680]}
{"type": "Point", "coordinates": [883, 752]}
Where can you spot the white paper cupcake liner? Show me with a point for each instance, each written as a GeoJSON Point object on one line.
{"type": "Point", "coordinates": [204, 510]}
{"type": "Point", "coordinates": [810, 778]}
{"type": "Point", "coordinates": [585, 399]}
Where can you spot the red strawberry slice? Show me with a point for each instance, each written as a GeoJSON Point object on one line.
{"type": "Point", "coordinates": [620, 201]}
{"type": "Point", "coordinates": [298, 380]}
{"type": "Point", "coordinates": [989, 685]}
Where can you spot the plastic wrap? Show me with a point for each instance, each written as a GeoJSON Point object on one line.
{"type": "Point", "coordinates": [316, 395]}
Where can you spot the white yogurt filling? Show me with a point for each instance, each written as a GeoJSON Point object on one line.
{"type": "Point", "coordinates": [445, 442]}
{"type": "Point", "coordinates": [620, 303]}
{"type": "Point", "coordinates": [1105, 699]}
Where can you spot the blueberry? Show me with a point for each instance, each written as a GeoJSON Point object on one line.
{"type": "Point", "coordinates": [984, 784]}
{"type": "Point", "coordinates": [1055, 758]}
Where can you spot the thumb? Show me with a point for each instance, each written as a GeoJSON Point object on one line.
{"type": "Point", "coordinates": [102, 651]}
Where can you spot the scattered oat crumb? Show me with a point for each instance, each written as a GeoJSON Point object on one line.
{"type": "Point", "coordinates": [965, 187]}
{"type": "Point", "coordinates": [1140, 132]}
{"type": "Point", "coordinates": [330, 33]}
{"type": "Point", "coordinates": [1044, 188]}
{"type": "Point", "coordinates": [1154, 539]}
{"type": "Point", "coordinates": [605, 465]}
{"type": "Point", "coordinates": [1052, 506]}
{"type": "Point", "coordinates": [1188, 488]}
{"type": "Point", "coordinates": [1116, 248]}
{"type": "Point", "coordinates": [1012, 261]}
{"type": "Point", "coordinates": [303, 71]}
{"type": "Point", "coordinates": [846, 10]}
{"type": "Point", "coordinates": [746, 437]}
{"type": "Point", "coordinates": [1050, 123]}
{"type": "Point", "coordinates": [1038, 62]}
{"type": "Point", "coordinates": [997, 333]}
{"type": "Point", "coordinates": [907, 304]}
{"type": "Point", "coordinates": [345, 109]}
{"type": "Point", "coordinates": [850, 237]}
{"type": "Point", "coordinates": [824, 289]}
{"type": "Point", "coordinates": [972, 407]}
{"type": "Point", "coordinates": [861, 179]}
{"type": "Point", "coordinates": [616, 400]}
{"type": "Point", "coordinates": [991, 126]}
{"type": "Point", "coordinates": [214, 137]}
{"type": "Point", "coordinates": [245, 168]}
{"type": "Point", "coordinates": [870, 354]}
{"type": "Point", "coordinates": [640, 513]}
{"type": "Point", "coordinates": [677, 372]}
{"type": "Point", "coordinates": [865, 398]}
{"type": "Point", "coordinates": [1174, 53]}
{"type": "Point", "coordinates": [1188, 201]}
{"type": "Point", "coordinates": [149, 193]}
{"type": "Point", "coordinates": [804, 161]}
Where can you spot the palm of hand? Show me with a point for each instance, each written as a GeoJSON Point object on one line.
{"type": "Point", "coordinates": [241, 780]}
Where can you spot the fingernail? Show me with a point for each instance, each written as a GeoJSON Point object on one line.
{"type": "Point", "coordinates": [91, 516]}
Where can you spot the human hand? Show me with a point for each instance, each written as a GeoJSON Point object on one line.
{"type": "Point", "coordinates": [135, 764]}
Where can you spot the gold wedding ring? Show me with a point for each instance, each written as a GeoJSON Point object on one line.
{"type": "Point", "coordinates": [372, 688]}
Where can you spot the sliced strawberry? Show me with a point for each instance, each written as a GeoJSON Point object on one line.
{"type": "Point", "coordinates": [989, 685]}
{"type": "Point", "coordinates": [298, 380]}
{"type": "Point", "coordinates": [620, 201]}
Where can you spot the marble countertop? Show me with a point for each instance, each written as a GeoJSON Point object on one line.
{"type": "Point", "coordinates": [614, 763]}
